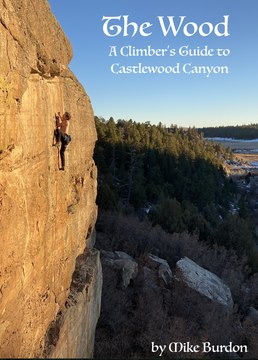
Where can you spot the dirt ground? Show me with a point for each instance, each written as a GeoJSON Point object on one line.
{"type": "Point", "coordinates": [248, 150]}
{"type": "Point", "coordinates": [250, 158]}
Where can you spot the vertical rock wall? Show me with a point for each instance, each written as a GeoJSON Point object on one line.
{"type": "Point", "coordinates": [45, 214]}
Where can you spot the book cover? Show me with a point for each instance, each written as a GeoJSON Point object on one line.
{"type": "Point", "coordinates": [177, 66]}
{"type": "Point", "coordinates": [129, 179]}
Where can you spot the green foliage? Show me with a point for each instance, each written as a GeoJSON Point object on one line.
{"type": "Point", "coordinates": [173, 170]}
{"type": "Point", "coordinates": [237, 132]}
{"type": "Point", "coordinates": [176, 175]}
{"type": "Point", "coordinates": [237, 233]}
{"type": "Point", "coordinates": [243, 210]}
{"type": "Point", "coordinates": [169, 215]}
{"type": "Point", "coordinates": [107, 197]}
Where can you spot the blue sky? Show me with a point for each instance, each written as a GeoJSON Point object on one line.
{"type": "Point", "coordinates": [183, 99]}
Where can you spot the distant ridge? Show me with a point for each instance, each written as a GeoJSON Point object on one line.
{"type": "Point", "coordinates": [239, 132]}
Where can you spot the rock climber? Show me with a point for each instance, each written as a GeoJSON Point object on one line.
{"type": "Point", "coordinates": [62, 123]}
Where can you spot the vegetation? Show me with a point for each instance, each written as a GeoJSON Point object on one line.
{"type": "Point", "coordinates": [172, 176]}
{"type": "Point", "coordinates": [161, 191]}
{"type": "Point", "coordinates": [237, 132]}
{"type": "Point", "coordinates": [132, 318]}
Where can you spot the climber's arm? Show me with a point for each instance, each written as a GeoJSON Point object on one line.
{"type": "Point", "coordinates": [59, 120]}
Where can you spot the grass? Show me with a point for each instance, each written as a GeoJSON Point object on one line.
{"type": "Point", "coordinates": [247, 157]}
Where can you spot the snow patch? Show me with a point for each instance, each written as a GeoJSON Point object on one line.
{"type": "Point", "coordinates": [230, 139]}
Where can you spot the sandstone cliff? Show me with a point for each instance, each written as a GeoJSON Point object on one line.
{"type": "Point", "coordinates": [46, 216]}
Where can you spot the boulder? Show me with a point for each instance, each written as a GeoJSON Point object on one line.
{"type": "Point", "coordinates": [204, 282]}
{"type": "Point", "coordinates": [123, 255]}
{"type": "Point", "coordinates": [161, 268]}
{"type": "Point", "coordinates": [150, 280]}
{"type": "Point", "coordinates": [125, 266]}
{"type": "Point", "coordinates": [108, 255]}
{"type": "Point", "coordinates": [253, 315]}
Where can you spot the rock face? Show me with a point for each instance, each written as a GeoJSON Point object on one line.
{"type": "Point", "coordinates": [204, 282]}
{"type": "Point", "coordinates": [81, 307]}
{"type": "Point", "coordinates": [46, 216]}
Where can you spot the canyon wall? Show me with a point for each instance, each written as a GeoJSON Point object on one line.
{"type": "Point", "coordinates": [47, 216]}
